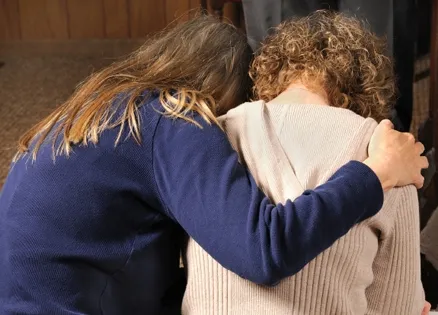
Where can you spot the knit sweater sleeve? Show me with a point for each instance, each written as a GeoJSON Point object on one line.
{"type": "Point", "coordinates": [397, 288]}
{"type": "Point", "coordinates": [203, 187]}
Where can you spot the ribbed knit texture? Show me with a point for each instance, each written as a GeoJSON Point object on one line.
{"type": "Point", "coordinates": [429, 237]}
{"type": "Point", "coordinates": [374, 269]}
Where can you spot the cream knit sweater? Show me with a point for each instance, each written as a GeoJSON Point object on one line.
{"type": "Point", "coordinates": [374, 269]}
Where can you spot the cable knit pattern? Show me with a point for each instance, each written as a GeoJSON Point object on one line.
{"type": "Point", "coordinates": [374, 269]}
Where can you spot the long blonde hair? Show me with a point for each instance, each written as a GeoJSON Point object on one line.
{"type": "Point", "coordinates": [199, 66]}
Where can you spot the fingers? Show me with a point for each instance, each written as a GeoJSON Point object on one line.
{"type": "Point", "coordinates": [409, 137]}
{"type": "Point", "coordinates": [419, 181]}
{"type": "Point", "coordinates": [419, 148]}
{"type": "Point", "coordinates": [424, 163]}
{"type": "Point", "coordinates": [426, 308]}
{"type": "Point", "coordinates": [387, 123]}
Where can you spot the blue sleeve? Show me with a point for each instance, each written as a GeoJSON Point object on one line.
{"type": "Point", "coordinates": [216, 200]}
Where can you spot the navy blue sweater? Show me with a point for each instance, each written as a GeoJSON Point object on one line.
{"type": "Point", "coordinates": [100, 232]}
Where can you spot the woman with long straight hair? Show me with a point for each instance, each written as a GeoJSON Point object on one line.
{"type": "Point", "coordinates": [93, 212]}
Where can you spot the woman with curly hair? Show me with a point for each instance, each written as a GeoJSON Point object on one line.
{"type": "Point", "coordinates": [324, 82]}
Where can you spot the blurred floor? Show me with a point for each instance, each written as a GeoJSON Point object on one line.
{"type": "Point", "coordinates": [36, 77]}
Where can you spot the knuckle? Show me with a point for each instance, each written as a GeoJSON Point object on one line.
{"type": "Point", "coordinates": [419, 150]}
{"type": "Point", "coordinates": [424, 162]}
{"type": "Point", "coordinates": [410, 137]}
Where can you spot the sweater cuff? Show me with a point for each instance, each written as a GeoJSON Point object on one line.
{"type": "Point", "coordinates": [368, 185]}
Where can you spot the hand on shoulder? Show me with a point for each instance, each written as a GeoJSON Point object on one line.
{"type": "Point", "coordinates": [395, 157]}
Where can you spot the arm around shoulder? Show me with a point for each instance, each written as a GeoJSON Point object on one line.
{"type": "Point", "coordinates": [215, 199]}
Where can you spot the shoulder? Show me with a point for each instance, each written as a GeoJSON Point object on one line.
{"type": "Point", "coordinates": [106, 164]}
{"type": "Point", "coordinates": [400, 207]}
{"type": "Point", "coordinates": [238, 113]}
{"type": "Point", "coordinates": [237, 121]}
{"type": "Point", "coordinates": [177, 133]}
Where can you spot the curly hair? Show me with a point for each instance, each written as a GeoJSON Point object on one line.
{"type": "Point", "coordinates": [332, 51]}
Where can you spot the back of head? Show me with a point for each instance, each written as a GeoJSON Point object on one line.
{"type": "Point", "coordinates": [332, 51]}
{"type": "Point", "coordinates": [197, 66]}
{"type": "Point", "coordinates": [204, 55]}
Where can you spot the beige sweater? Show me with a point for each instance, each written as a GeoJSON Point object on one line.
{"type": "Point", "coordinates": [374, 269]}
{"type": "Point", "coordinates": [429, 240]}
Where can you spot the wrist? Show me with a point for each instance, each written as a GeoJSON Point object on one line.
{"type": "Point", "coordinates": [381, 172]}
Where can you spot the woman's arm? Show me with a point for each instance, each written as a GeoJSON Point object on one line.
{"type": "Point", "coordinates": [397, 288]}
{"type": "Point", "coordinates": [216, 200]}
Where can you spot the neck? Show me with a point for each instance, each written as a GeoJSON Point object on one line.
{"type": "Point", "coordinates": [298, 92]}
